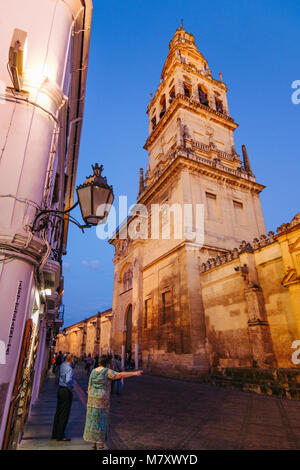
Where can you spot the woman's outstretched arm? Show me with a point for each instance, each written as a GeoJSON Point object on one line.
{"type": "Point", "coordinates": [126, 375]}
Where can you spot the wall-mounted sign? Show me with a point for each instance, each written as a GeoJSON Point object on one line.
{"type": "Point", "coordinates": [13, 320]}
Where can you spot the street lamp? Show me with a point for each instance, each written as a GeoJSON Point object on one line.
{"type": "Point", "coordinates": [95, 198]}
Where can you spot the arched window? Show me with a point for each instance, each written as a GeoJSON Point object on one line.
{"type": "Point", "coordinates": [172, 95]}
{"type": "Point", "coordinates": [219, 105]}
{"type": "Point", "coordinates": [127, 279]}
{"type": "Point", "coordinates": [187, 90]}
{"type": "Point", "coordinates": [153, 122]}
{"type": "Point", "coordinates": [162, 106]}
{"type": "Point", "coordinates": [202, 96]}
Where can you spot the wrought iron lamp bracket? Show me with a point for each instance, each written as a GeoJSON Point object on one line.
{"type": "Point", "coordinates": [43, 215]}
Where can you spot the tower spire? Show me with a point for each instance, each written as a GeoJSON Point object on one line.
{"type": "Point", "coordinates": [246, 159]}
{"type": "Point", "coordinates": [141, 181]}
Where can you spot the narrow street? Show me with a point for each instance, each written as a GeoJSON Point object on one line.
{"type": "Point", "coordinates": [159, 413]}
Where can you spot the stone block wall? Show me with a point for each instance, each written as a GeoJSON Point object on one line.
{"type": "Point", "coordinates": [251, 300]}
{"type": "Point", "coordinates": [82, 336]}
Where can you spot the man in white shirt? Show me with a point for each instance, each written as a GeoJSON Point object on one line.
{"type": "Point", "coordinates": [64, 399]}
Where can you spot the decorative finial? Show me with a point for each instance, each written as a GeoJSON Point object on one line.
{"type": "Point", "coordinates": [246, 160]}
{"type": "Point", "coordinates": [221, 77]}
{"type": "Point", "coordinates": [97, 169]}
{"type": "Point", "coordinates": [181, 24]}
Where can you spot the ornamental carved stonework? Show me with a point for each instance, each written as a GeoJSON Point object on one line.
{"type": "Point", "coordinates": [290, 277]}
{"type": "Point", "coordinates": [122, 247]}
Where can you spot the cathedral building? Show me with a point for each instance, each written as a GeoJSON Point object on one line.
{"type": "Point", "coordinates": [193, 303]}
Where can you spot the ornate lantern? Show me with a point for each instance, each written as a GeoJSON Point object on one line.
{"type": "Point", "coordinates": [95, 197]}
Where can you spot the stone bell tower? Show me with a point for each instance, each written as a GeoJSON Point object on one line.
{"type": "Point", "coordinates": [192, 160]}
{"type": "Point", "coordinates": [189, 118]}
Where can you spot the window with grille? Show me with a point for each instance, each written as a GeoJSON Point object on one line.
{"type": "Point", "coordinates": [202, 96]}
{"type": "Point", "coordinates": [187, 91]}
{"type": "Point", "coordinates": [219, 106]}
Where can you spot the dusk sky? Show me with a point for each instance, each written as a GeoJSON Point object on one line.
{"type": "Point", "coordinates": [255, 46]}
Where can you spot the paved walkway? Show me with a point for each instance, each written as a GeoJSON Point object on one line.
{"type": "Point", "coordinates": [157, 413]}
{"type": "Point", "coordinates": [38, 429]}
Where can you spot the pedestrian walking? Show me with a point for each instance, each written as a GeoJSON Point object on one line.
{"type": "Point", "coordinates": [97, 415]}
{"type": "Point", "coordinates": [53, 362]}
{"type": "Point", "coordinates": [96, 361]}
{"type": "Point", "coordinates": [110, 358]}
{"type": "Point", "coordinates": [128, 361]}
{"type": "Point", "coordinates": [88, 364]}
{"type": "Point", "coordinates": [64, 400]}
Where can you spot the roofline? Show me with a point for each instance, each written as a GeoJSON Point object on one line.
{"type": "Point", "coordinates": [86, 319]}
{"type": "Point", "coordinates": [81, 52]}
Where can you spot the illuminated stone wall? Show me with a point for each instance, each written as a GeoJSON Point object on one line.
{"type": "Point", "coordinates": [252, 317]}
{"type": "Point", "coordinates": [82, 336]}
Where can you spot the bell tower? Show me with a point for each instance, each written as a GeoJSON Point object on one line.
{"type": "Point", "coordinates": [191, 103]}
{"type": "Point", "coordinates": [189, 118]}
{"type": "Point", "coordinates": [192, 161]}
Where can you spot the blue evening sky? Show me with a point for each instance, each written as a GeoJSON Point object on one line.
{"type": "Point", "coordinates": [255, 44]}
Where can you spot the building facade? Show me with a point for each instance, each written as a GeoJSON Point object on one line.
{"type": "Point", "coordinates": [251, 299]}
{"type": "Point", "coordinates": [44, 56]}
{"type": "Point", "coordinates": [90, 336]}
{"type": "Point", "coordinates": [163, 302]}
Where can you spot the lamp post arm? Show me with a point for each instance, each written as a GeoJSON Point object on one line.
{"type": "Point", "coordinates": [60, 215]}
{"type": "Point", "coordinates": [71, 208]}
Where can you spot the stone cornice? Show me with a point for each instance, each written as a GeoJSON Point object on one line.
{"type": "Point", "coordinates": [184, 159]}
{"type": "Point", "coordinates": [165, 255]}
{"type": "Point", "coordinates": [289, 227]}
{"type": "Point", "coordinates": [32, 247]}
{"type": "Point", "coordinates": [127, 255]}
{"type": "Point", "coordinates": [182, 244]}
{"type": "Point", "coordinates": [48, 88]}
{"type": "Point", "coordinates": [234, 254]}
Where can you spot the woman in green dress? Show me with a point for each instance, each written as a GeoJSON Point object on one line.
{"type": "Point", "coordinates": [97, 415]}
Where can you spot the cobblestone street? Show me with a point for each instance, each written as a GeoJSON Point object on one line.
{"type": "Point", "coordinates": [159, 413]}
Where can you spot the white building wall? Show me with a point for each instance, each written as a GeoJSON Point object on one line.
{"type": "Point", "coordinates": [29, 124]}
